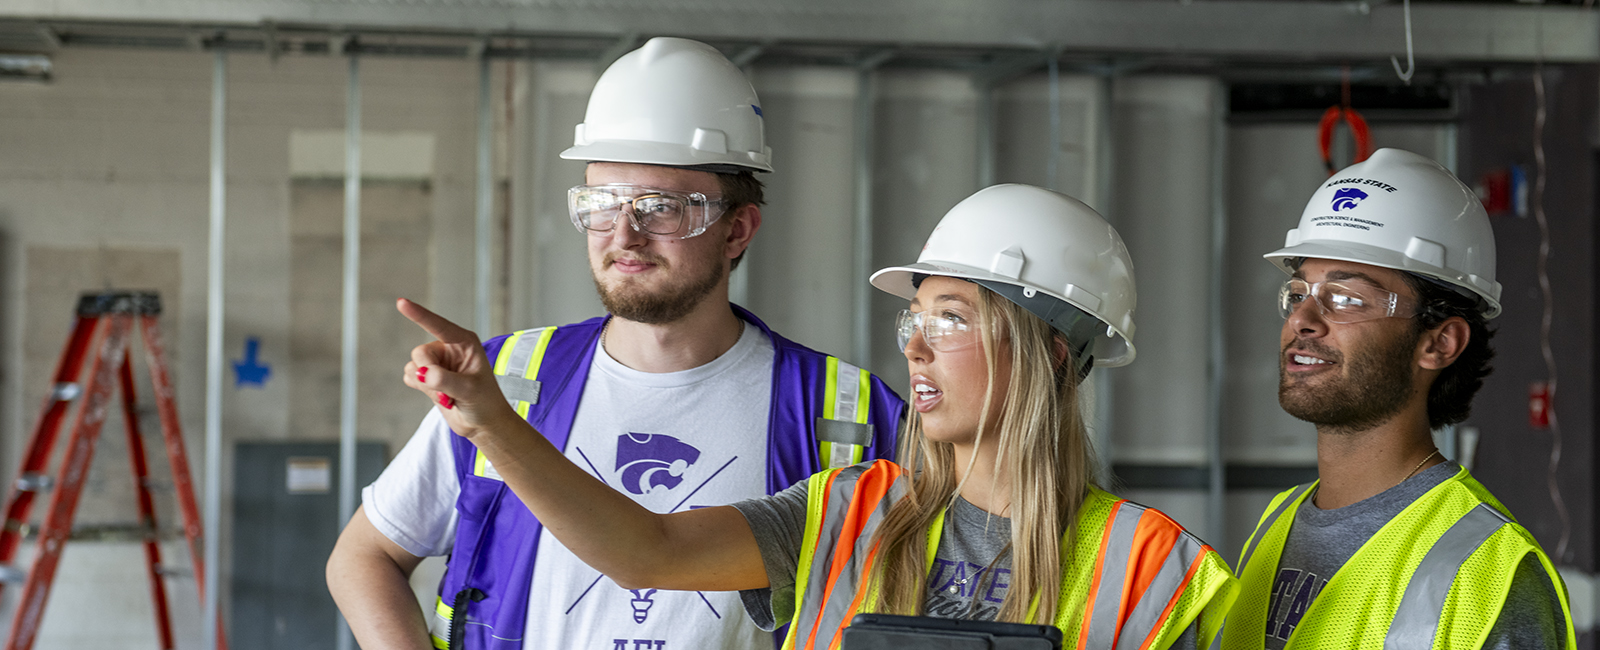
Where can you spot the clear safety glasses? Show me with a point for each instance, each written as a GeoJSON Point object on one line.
{"type": "Point", "coordinates": [1345, 301]}
{"type": "Point", "coordinates": [659, 214]}
{"type": "Point", "coordinates": [946, 331]}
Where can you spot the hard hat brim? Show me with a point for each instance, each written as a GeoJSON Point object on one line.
{"type": "Point", "coordinates": [1110, 351]}
{"type": "Point", "coordinates": [1358, 253]}
{"type": "Point", "coordinates": [658, 153]}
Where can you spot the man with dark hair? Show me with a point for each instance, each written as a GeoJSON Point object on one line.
{"type": "Point", "coordinates": [676, 397]}
{"type": "Point", "coordinates": [1384, 339]}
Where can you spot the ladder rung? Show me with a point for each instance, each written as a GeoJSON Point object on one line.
{"type": "Point", "coordinates": [157, 484]}
{"type": "Point", "coordinates": [65, 391]}
{"type": "Point", "coordinates": [174, 572]}
{"type": "Point", "coordinates": [35, 482]}
{"type": "Point", "coordinates": [10, 573]}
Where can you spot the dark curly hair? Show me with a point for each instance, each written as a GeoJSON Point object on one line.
{"type": "Point", "coordinates": [739, 189]}
{"type": "Point", "coordinates": [1450, 396]}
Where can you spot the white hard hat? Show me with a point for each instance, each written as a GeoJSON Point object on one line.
{"type": "Point", "coordinates": [1401, 211]}
{"type": "Point", "coordinates": [1047, 252]}
{"type": "Point", "coordinates": [673, 102]}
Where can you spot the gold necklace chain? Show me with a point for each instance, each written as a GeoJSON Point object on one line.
{"type": "Point", "coordinates": [1419, 465]}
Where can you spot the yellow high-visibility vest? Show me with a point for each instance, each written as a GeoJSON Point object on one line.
{"type": "Point", "coordinates": [1435, 576]}
{"type": "Point", "coordinates": [1131, 577]}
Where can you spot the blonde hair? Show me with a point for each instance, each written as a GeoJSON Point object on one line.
{"type": "Point", "coordinates": [1043, 447]}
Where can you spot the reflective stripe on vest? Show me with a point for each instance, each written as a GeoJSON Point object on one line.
{"type": "Point", "coordinates": [834, 547]}
{"type": "Point", "coordinates": [1417, 618]}
{"type": "Point", "coordinates": [1145, 563]}
{"type": "Point", "coordinates": [842, 432]}
{"type": "Point", "coordinates": [1424, 580]}
{"type": "Point", "coordinates": [516, 369]}
{"type": "Point", "coordinates": [439, 624]}
{"type": "Point", "coordinates": [1134, 584]}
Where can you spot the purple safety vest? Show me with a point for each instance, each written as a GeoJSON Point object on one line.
{"type": "Point", "coordinates": [484, 592]}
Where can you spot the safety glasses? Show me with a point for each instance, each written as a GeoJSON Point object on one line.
{"type": "Point", "coordinates": [659, 214]}
{"type": "Point", "coordinates": [1345, 301]}
{"type": "Point", "coordinates": [945, 331]}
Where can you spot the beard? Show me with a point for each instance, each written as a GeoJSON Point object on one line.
{"type": "Point", "coordinates": [1375, 386]}
{"type": "Point", "coordinates": [626, 299]}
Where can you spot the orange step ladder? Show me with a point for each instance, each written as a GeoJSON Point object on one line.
{"type": "Point", "coordinates": [102, 333]}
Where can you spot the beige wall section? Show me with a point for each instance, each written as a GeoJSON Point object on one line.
{"type": "Point", "coordinates": [395, 240]}
{"type": "Point", "coordinates": [113, 156]}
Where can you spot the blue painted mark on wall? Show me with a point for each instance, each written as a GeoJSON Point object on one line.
{"type": "Point", "coordinates": [249, 371]}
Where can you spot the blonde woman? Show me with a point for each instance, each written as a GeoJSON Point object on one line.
{"type": "Point", "coordinates": [991, 513]}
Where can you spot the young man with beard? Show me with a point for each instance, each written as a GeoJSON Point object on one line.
{"type": "Point", "coordinates": [677, 398]}
{"type": "Point", "coordinates": [1384, 339]}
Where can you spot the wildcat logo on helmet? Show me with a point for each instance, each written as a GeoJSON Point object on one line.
{"type": "Point", "coordinates": [650, 460]}
{"type": "Point", "coordinates": [1346, 198]}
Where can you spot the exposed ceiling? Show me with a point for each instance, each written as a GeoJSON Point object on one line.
{"type": "Point", "coordinates": [998, 38]}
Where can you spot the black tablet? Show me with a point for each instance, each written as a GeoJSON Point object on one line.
{"type": "Point", "coordinates": [889, 632]}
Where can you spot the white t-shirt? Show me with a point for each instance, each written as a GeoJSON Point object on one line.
{"type": "Point", "coordinates": [670, 441]}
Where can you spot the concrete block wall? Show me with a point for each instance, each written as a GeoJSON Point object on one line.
{"type": "Point", "coordinates": [109, 162]}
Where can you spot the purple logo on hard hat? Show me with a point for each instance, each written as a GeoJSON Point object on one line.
{"type": "Point", "coordinates": [650, 460]}
{"type": "Point", "coordinates": [758, 110]}
{"type": "Point", "coordinates": [1346, 198]}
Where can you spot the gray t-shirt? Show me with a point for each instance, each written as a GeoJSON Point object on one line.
{"type": "Point", "coordinates": [1321, 541]}
{"type": "Point", "coordinates": [970, 577]}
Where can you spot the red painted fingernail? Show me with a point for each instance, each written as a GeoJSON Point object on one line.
{"type": "Point", "coordinates": [422, 375]}
{"type": "Point", "coordinates": [445, 401]}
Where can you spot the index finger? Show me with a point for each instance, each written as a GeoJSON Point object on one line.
{"type": "Point", "coordinates": [440, 327]}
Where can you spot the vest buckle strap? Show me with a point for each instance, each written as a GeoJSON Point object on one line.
{"type": "Point", "coordinates": [844, 433]}
{"type": "Point", "coordinates": [518, 389]}
{"type": "Point", "coordinates": [459, 613]}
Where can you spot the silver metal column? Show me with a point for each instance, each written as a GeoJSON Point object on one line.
{"type": "Point", "coordinates": [866, 103]}
{"type": "Point", "coordinates": [352, 304]}
{"type": "Point", "coordinates": [1052, 163]}
{"type": "Point", "coordinates": [214, 359]}
{"type": "Point", "coordinates": [986, 134]}
{"type": "Point", "coordinates": [1104, 162]}
{"type": "Point", "coordinates": [485, 202]}
{"type": "Point", "coordinates": [1216, 502]}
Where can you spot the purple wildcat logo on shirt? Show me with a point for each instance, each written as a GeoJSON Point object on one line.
{"type": "Point", "coordinates": [650, 460]}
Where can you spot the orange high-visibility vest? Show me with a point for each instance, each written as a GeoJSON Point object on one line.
{"type": "Point", "coordinates": [1130, 578]}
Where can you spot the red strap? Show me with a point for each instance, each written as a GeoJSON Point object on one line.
{"type": "Point", "coordinates": [1358, 129]}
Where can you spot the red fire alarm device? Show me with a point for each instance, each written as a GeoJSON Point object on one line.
{"type": "Point", "coordinates": [1539, 405]}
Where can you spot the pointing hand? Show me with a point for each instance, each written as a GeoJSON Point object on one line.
{"type": "Point", "coordinates": [454, 372]}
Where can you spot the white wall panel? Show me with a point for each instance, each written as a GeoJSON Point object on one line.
{"type": "Point", "coordinates": [1162, 208]}
{"type": "Point", "coordinates": [801, 276]}
{"type": "Point", "coordinates": [550, 257]}
{"type": "Point", "coordinates": [927, 162]}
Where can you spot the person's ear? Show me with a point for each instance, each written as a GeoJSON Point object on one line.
{"type": "Point", "coordinates": [1443, 344]}
{"type": "Point", "coordinates": [743, 222]}
{"type": "Point", "coordinates": [1059, 350]}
